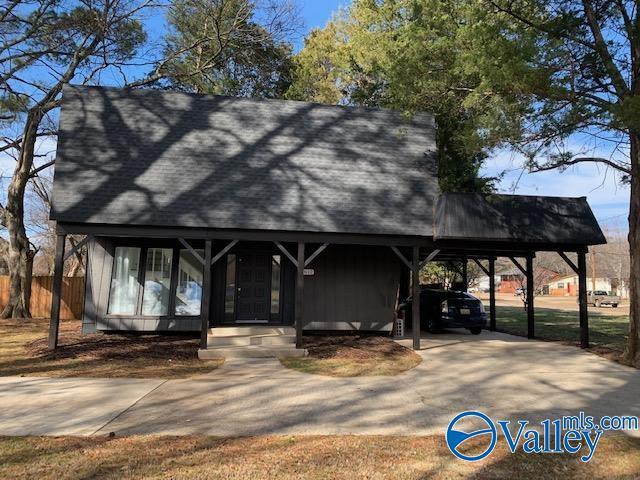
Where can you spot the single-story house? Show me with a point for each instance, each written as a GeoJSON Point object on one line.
{"type": "Point", "coordinates": [567, 285]}
{"type": "Point", "coordinates": [511, 279]}
{"type": "Point", "coordinates": [205, 211]}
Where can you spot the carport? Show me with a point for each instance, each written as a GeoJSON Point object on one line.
{"type": "Point", "coordinates": [475, 227]}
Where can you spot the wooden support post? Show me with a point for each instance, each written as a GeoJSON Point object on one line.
{"type": "Point", "coordinates": [530, 289]}
{"type": "Point", "coordinates": [205, 308]}
{"type": "Point", "coordinates": [582, 299]}
{"type": "Point", "coordinates": [492, 294]}
{"type": "Point", "coordinates": [465, 276]}
{"type": "Point", "coordinates": [415, 304]}
{"type": "Point", "coordinates": [56, 292]}
{"type": "Point", "coordinates": [299, 294]}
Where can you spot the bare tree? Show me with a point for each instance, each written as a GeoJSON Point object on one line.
{"type": "Point", "coordinates": [46, 44]}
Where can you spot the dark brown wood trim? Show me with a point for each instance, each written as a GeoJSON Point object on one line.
{"type": "Point", "coordinates": [518, 266]}
{"type": "Point", "coordinates": [205, 308]}
{"type": "Point", "coordinates": [173, 280]}
{"type": "Point", "coordinates": [56, 292]}
{"type": "Point", "coordinates": [318, 251]}
{"type": "Point", "coordinates": [568, 261]}
{"type": "Point", "coordinates": [492, 294]}
{"type": "Point", "coordinates": [243, 235]}
{"type": "Point", "coordinates": [224, 251]}
{"type": "Point", "coordinates": [299, 294]}
{"type": "Point", "coordinates": [530, 299]}
{"type": "Point", "coordinates": [582, 299]}
{"type": "Point", "coordinates": [415, 304]}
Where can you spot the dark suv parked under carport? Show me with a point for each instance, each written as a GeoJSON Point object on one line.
{"type": "Point", "coordinates": [447, 309]}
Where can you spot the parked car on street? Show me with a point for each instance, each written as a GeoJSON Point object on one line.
{"type": "Point", "coordinates": [447, 309]}
{"type": "Point", "coordinates": [599, 298]}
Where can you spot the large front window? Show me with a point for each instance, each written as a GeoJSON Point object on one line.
{"type": "Point", "coordinates": [189, 290]}
{"type": "Point", "coordinates": [123, 296]}
{"type": "Point", "coordinates": [157, 281]}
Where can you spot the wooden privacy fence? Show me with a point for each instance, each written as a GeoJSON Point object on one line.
{"type": "Point", "coordinates": [72, 296]}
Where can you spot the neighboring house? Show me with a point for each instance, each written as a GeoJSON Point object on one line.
{"type": "Point", "coordinates": [482, 283]}
{"type": "Point", "coordinates": [511, 279]}
{"type": "Point", "coordinates": [567, 285]}
{"type": "Point", "coordinates": [205, 211]}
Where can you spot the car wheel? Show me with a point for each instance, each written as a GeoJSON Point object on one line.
{"type": "Point", "coordinates": [615, 305]}
{"type": "Point", "coordinates": [475, 330]}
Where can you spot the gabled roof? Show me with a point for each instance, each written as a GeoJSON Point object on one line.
{"type": "Point", "coordinates": [516, 218]}
{"type": "Point", "coordinates": [158, 158]}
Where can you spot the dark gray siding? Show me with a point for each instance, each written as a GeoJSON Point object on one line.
{"type": "Point", "coordinates": [98, 277]}
{"type": "Point", "coordinates": [353, 288]}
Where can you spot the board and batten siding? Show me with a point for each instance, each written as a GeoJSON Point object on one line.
{"type": "Point", "coordinates": [99, 264]}
{"type": "Point", "coordinates": [352, 288]}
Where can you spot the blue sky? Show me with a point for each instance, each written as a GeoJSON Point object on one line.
{"type": "Point", "coordinates": [608, 199]}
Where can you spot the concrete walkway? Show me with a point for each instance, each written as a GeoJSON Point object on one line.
{"type": "Point", "coordinates": [504, 376]}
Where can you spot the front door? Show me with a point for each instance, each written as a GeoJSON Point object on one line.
{"type": "Point", "coordinates": [253, 287]}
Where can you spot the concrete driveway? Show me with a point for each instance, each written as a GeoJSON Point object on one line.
{"type": "Point", "coordinates": [504, 376]}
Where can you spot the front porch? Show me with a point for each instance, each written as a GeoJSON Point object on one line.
{"type": "Point", "coordinates": [251, 341]}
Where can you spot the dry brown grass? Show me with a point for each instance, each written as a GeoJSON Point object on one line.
{"type": "Point", "coordinates": [23, 351]}
{"type": "Point", "coordinates": [309, 457]}
{"type": "Point", "coordinates": [353, 356]}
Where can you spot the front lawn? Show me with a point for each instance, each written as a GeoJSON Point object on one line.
{"type": "Point", "coordinates": [23, 351]}
{"type": "Point", "coordinates": [353, 356]}
{"type": "Point", "coordinates": [294, 457]}
{"type": "Point", "coordinates": [605, 331]}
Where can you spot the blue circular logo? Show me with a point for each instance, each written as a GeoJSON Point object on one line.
{"type": "Point", "coordinates": [455, 438]}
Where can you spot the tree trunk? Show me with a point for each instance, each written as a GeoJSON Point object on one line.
{"type": "Point", "coordinates": [632, 352]}
{"type": "Point", "coordinates": [20, 258]}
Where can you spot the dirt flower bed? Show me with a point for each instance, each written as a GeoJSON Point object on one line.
{"type": "Point", "coordinates": [353, 356]}
{"type": "Point", "coordinates": [23, 351]}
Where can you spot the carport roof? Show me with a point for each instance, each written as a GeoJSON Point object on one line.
{"type": "Point", "coordinates": [516, 219]}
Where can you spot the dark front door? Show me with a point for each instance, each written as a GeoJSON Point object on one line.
{"type": "Point", "coordinates": [253, 287]}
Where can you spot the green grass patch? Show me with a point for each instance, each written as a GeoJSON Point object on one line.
{"type": "Point", "coordinates": [609, 331]}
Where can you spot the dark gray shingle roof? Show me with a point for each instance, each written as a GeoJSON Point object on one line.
{"type": "Point", "coordinates": [516, 218]}
{"type": "Point", "coordinates": [148, 157]}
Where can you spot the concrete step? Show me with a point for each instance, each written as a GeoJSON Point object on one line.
{"type": "Point", "coordinates": [240, 340]}
{"type": "Point", "coordinates": [250, 330]}
{"type": "Point", "coordinates": [250, 351]}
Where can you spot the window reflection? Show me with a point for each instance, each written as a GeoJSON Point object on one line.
{"type": "Point", "coordinates": [123, 294]}
{"type": "Point", "coordinates": [157, 281]}
{"type": "Point", "coordinates": [189, 289]}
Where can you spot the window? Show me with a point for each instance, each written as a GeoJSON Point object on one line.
{"type": "Point", "coordinates": [123, 295]}
{"type": "Point", "coordinates": [560, 285]}
{"type": "Point", "coordinates": [189, 290]}
{"type": "Point", "coordinates": [157, 281]}
{"type": "Point", "coordinates": [230, 286]}
{"type": "Point", "coordinates": [275, 283]}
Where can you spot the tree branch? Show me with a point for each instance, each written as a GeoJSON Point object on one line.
{"type": "Point", "coordinates": [575, 161]}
